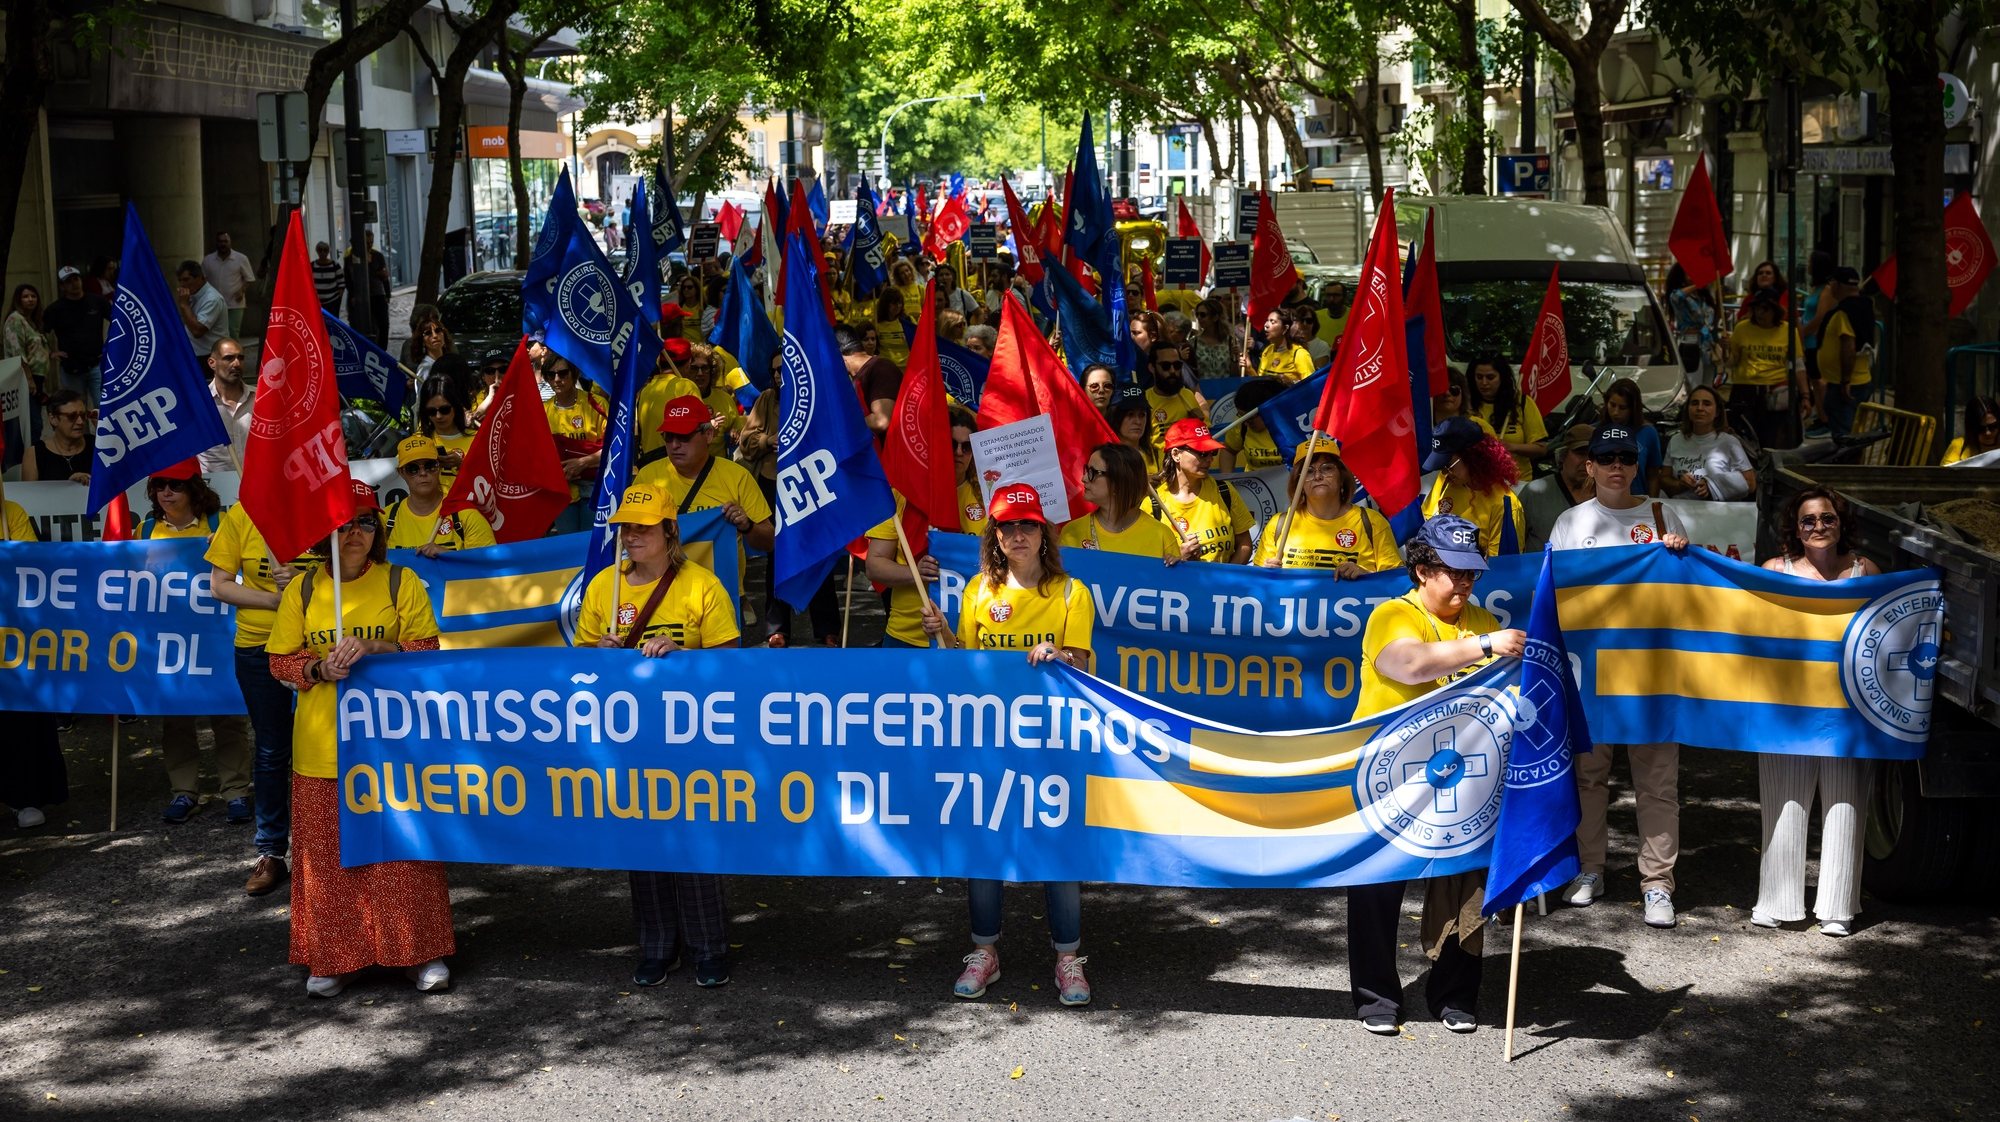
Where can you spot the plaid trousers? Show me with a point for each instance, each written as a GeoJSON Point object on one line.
{"type": "Point", "coordinates": [680, 908]}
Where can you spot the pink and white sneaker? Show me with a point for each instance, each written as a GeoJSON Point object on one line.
{"type": "Point", "coordinates": [982, 968]}
{"type": "Point", "coordinates": [1072, 988]}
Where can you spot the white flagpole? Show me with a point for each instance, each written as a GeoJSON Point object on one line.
{"type": "Point", "coordinates": [1513, 981]}
{"type": "Point", "coordinates": [617, 551]}
{"type": "Point", "coordinates": [333, 562]}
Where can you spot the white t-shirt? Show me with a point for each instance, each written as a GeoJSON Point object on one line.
{"type": "Point", "coordinates": [230, 275]}
{"type": "Point", "coordinates": [1717, 457]}
{"type": "Point", "coordinates": [1591, 524]}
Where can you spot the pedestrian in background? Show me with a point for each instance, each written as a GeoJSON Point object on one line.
{"type": "Point", "coordinates": [203, 310]}
{"type": "Point", "coordinates": [329, 278]}
{"type": "Point", "coordinates": [79, 322]}
{"type": "Point", "coordinates": [229, 272]}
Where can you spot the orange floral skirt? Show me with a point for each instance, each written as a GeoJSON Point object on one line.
{"type": "Point", "coordinates": [397, 913]}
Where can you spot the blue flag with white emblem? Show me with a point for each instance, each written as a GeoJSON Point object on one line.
{"type": "Point", "coordinates": [551, 246]}
{"type": "Point", "coordinates": [867, 264]}
{"type": "Point", "coordinates": [1289, 415]}
{"type": "Point", "coordinates": [1534, 842]}
{"type": "Point", "coordinates": [830, 484]}
{"type": "Point", "coordinates": [816, 203]}
{"type": "Point", "coordinates": [669, 234]}
{"type": "Point", "coordinates": [364, 371]}
{"type": "Point", "coordinates": [642, 261]}
{"type": "Point", "coordinates": [625, 356]}
{"type": "Point", "coordinates": [1089, 208]}
{"type": "Point", "coordinates": [964, 372]}
{"type": "Point", "coordinates": [743, 328]}
{"type": "Point", "coordinates": [155, 410]}
{"type": "Point", "coordinates": [586, 305]}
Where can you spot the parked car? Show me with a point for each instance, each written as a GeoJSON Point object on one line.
{"type": "Point", "coordinates": [483, 312]}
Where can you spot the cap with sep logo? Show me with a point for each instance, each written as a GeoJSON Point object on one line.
{"type": "Point", "coordinates": [685, 415]}
{"type": "Point", "coordinates": [644, 505]}
{"type": "Point", "coordinates": [1192, 432]}
{"type": "Point", "coordinates": [1455, 540]}
{"type": "Point", "coordinates": [1016, 502]}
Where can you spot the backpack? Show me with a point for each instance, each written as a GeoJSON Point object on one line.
{"type": "Point", "coordinates": [306, 589]}
{"type": "Point", "coordinates": [148, 524]}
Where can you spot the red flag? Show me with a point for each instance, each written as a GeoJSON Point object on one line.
{"type": "Point", "coordinates": [799, 220]}
{"type": "Point", "coordinates": [1697, 240]}
{"type": "Point", "coordinates": [1968, 256]}
{"type": "Point", "coordinates": [1026, 244]}
{"type": "Point", "coordinates": [1423, 299]}
{"type": "Point", "coordinates": [1186, 227]}
{"type": "Point", "coordinates": [1545, 376]}
{"type": "Point", "coordinates": [1026, 380]}
{"type": "Point", "coordinates": [730, 219]}
{"type": "Point", "coordinates": [921, 212]}
{"type": "Point", "coordinates": [951, 224]}
{"type": "Point", "coordinates": [295, 459]}
{"type": "Point", "coordinates": [1272, 274]}
{"type": "Point", "coordinates": [1146, 280]}
{"type": "Point", "coordinates": [117, 519]}
{"type": "Point", "coordinates": [512, 473]}
{"type": "Point", "coordinates": [916, 451]}
{"type": "Point", "coordinates": [1366, 404]}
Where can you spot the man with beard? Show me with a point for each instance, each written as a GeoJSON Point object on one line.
{"type": "Point", "coordinates": [1170, 398]}
{"type": "Point", "coordinates": [1544, 500]}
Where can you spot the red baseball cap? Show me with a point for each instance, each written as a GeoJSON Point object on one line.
{"type": "Point", "coordinates": [186, 469]}
{"type": "Point", "coordinates": [1016, 502]}
{"type": "Point", "coordinates": [1192, 432]}
{"type": "Point", "coordinates": [677, 349]}
{"type": "Point", "coordinates": [364, 496]}
{"type": "Point", "coordinates": [685, 415]}
{"type": "Point", "coordinates": [671, 310]}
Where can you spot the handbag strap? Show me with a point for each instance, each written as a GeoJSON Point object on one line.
{"type": "Point", "coordinates": [645, 616]}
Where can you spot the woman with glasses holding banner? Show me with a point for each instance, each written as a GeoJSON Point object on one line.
{"type": "Point", "coordinates": [1326, 529]}
{"type": "Point", "coordinates": [1114, 479]}
{"type": "Point", "coordinates": [1022, 600]}
{"type": "Point", "coordinates": [1207, 515]}
{"type": "Point", "coordinates": [1818, 537]}
{"type": "Point", "coordinates": [395, 913]}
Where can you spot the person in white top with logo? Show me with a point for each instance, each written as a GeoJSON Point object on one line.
{"type": "Point", "coordinates": [1616, 517]}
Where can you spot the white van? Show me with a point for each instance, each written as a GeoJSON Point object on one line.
{"type": "Point", "coordinates": [1493, 260]}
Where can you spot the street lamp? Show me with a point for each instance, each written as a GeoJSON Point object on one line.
{"type": "Point", "coordinates": [980, 97]}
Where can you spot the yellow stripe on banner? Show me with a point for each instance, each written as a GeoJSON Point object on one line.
{"type": "Point", "coordinates": [1146, 806]}
{"type": "Point", "coordinates": [1729, 611]}
{"type": "Point", "coordinates": [473, 595]}
{"type": "Point", "coordinates": [543, 634]}
{"type": "Point", "coordinates": [1720, 677]}
{"type": "Point", "coordinates": [1233, 753]}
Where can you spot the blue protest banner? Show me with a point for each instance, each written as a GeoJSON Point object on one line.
{"type": "Point", "coordinates": [669, 232]}
{"type": "Point", "coordinates": [364, 371]}
{"type": "Point", "coordinates": [867, 264]}
{"type": "Point", "coordinates": [642, 260]}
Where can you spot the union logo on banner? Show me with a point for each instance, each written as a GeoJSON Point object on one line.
{"type": "Point", "coordinates": [1371, 365]}
{"type": "Point", "coordinates": [585, 301]}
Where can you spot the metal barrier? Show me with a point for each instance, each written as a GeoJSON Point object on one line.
{"type": "Point", "coordinates": [1969, 371]}
{"type": "Point", "coordinates": [1911, 435]}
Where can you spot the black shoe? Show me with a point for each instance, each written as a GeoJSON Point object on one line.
{"type": "Point", "coordinates": [1381, 1024]}
{"type": "Point", "coordinates": [653, 971]}
{"type": "Point", "coordinates": [711, 972]}
{"type": "Point", "coordinates": [1458, 1020]}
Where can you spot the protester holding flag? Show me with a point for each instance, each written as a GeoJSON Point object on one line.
{"type": "Point", "coordinates": [413, 522]}
{"type": "Point", "coordinates": [1115, 480]}
{"type": "Point", "coordinates": [697, 479]}
{"type": "Point", "coordinates": [578, 421]}
{"type": "Point", "coordinates": [1495, 397]}
{"type": "Point", "coordinates": [1695, 321]}
{"type": "Point", "coordinates": [346, 919]}
{"type": "Point", "coordinates": [1475, 480]}
{"type": "Point", "coordinates": [1426, 638]}
{"type": "Point", "coordinates": [1022, 600]}
{"type": "Point", "coordinates": [1623, 405]}
{"type": "Point", "coordinates": [1250, 445]}
{"type": "Point", "coordinates": [1207, 515]}
{"type": "Point", "coordinates": [1325, 529]}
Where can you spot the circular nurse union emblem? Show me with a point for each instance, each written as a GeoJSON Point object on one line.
{"type": "Point", "coordinates": [132, 329]}
{"type": "Point", "coordinates": [569, 609]}
{"type": "Point", "coordinates": [1430, 783]}
{"type": "Point", "coordinates": [586, 304]}
{"type": "Point", "coordinates": [1889, 660]}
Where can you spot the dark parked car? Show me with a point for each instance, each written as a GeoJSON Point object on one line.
{"type": "Point", "coordinates": [483, 312]}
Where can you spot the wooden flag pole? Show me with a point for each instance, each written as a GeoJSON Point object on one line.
{"type": "Point", "coordinates": [1298, 486]}
{"type": "Point", "coordinates": [910, 559]}
{"type": "Point", "coordinates": [847, 601]}
{"type": "Point", "coordinates": [617, 550]}
{"type": "Point", "coordinates": [115, 753]}
{"type": "Point", "coordinates": [1513, 981]}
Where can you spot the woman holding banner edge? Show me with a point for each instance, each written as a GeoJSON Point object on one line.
{"type": "Point", "coordinates": [1022, 599]}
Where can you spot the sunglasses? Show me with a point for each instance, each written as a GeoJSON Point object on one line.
{"type": "Point", "coordinates": [1991, 426]}
{"type": "Point", "coordinates": [168, 485]}
{"type": "Point", "coordinates": [495, 370]}
{"type": "Point", "coordinates": [961, 446]}
{"type": "Point", "coordinates": [440, 410]}
{"type": "Point", "coordinates": [70, 415]}
{"type": "Point", "coordinates": [701, 367]}
{"type": "Point", "coordinates": [1623, 459]}
{"type": "Point", "coordinates": [1167, 364]}
{"type": "Point", "coordinates": [421, 467]}
{"type": "Point", "coordinates": [1209, 455]}
{"type": "Point", "coordinates": [1020, 526]}
{"type": "Point", "coordinates": [1814, 521]}
{"type": "Point", "coordinates": [1461, 576]}
{"type": "Point", "coordinates": [678, 437]}
{"type": "Point", "coordinates": [364, 524]}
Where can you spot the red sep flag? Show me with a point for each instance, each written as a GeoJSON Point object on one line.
{"type": "Point", "coordinates": [1272, 274]}
{"type": "Point", "coordinates": [512, 473]}
{"type": "Point", "coordinates": [1027, 379]}
{"type": "Point", "coordinates": [916, 451]}
{"type": "Point", "coordinates": [1027, 242]}
{"type": "Point", "coordinates": [1545, 378]}
{"type": "Point", "coordinates": [1968, 256]}
{"type": "Point", "coordinates": [1697, 240]}
{"type": "Point", "coordinates": [1366, 404]}
{"type": "Point", "coordinates": [1424, 299]}
{"type": "Point", "coordinates": [295, 459]}
{"type": "Point", "coordinates": [950, 226]}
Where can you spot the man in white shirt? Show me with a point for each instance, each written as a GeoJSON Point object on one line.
{"type": "Point", "coordinates": [1616, 517]}
{"type": "Point", "coordinates": [232, 276]}
{"type": "Point", "coordinates": [203, 311]}
{"type": "Point", "coordinates": [234, 400]}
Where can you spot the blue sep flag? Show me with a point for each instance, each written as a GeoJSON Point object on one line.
{"type": "Point", "coordinates": [1534, 842]}
{"type": "Point", "coordinates": [743, 328]}
{"type": "Point", "coordinates": [364, 371]}
{"type": "Point", "coordinates": [867, 265]}
{"type": "Point", "coordinates": [642, 260]}
{"type": "Point", "coordinates": [816, 203]}
{"type": "Point", "coordinates": [538, 304]}
{"type": "Point", "coordinates": [1086, 333]}
{"type": "Point", "coordinates": [1089, 210]}
{"type": "Point", "coordinates": [155, 410]}
{"type": "Point", "coordinates": [1289, 415]}
{"type": "Point", "coordinates": [631, 348]}
{"type": "Point", "coordinates": [668, 232]}
{"type": "Point", "coordinates": [830, 484]}
{"type": "Point", "coordinates": [964, 372]}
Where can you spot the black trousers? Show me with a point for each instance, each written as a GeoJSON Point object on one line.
{"type": "Point", "coordinates": [32, 773]}
{"type": "Point", "coordinates": [1373, 911]}
{"type": "Point", "coordinates": [680, 912]}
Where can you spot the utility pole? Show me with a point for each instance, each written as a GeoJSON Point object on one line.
{"type": "Point", "coordinates": [360, 299]}
{"type": "Point", "coordinates": [1528, 94]}
{"type": "Point", "coordinates": [788, 163]}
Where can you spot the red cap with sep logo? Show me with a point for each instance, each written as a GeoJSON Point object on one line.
{"type": "Point", "coordinates": [1017, 502]}
{"type": "Point", "coordinates": [684, 415]}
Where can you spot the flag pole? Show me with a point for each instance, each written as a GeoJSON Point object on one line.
{"type": "Point", "coordinates": [333, 562]}
{"type": "Point", "coordinates": [1298, 486]}
{"type": "Point", "coordinates": [910, 559]}
{"type": "Point", "coordinates": [1513, 980]}
{"type": "Point", "coordinates": [847, 601]}
{"type": "Point", "coordinates": [617, 551]}
{"type": "Point", "coordinates": [115, 753]}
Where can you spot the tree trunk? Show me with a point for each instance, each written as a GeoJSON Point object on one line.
{"type": "Point", "coordinates": [1916, 121]}
{"type": "Point", "coordinates": [1587, 102]}
{"type": "Point", "coordinates": [23, 88]}
{"type": "Point", "coordinates": [331, 61]}
{"type": "Point", "coordinates": [1208, 136]}
{"type": "Point", "coordinates": [1371, 123]}
{"type": "Point", "coordinates": [517, 91]}
{"type": "Point", "coordinates": [1262, 136]}
{"type": "Point", "coordinates": [472, 38]}
{"type": "Point", "coordinates": [1288, 132]}
{"type": "Point", "coordinates": [1472, 91]}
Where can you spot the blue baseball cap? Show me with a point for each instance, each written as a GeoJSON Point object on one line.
{"type": "Point", "coordinates": [1615, 436]}
{"type": "Point", "coordinates": [1455, 540]}
{"type": "Point", "coordinates": [1452, 436]}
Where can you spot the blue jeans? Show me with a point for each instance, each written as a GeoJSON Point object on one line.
{"type": "Point", "coordinates": [90, 383]}
{"type": "Point", "coordinates": [270, 706]}
{"type": "Point", "coordinates": [1065, 901]}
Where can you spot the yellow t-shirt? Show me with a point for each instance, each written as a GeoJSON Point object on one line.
{"type": "Point", "coordinates": [1147, 536]}
{"type": "Point", "coordinates": [1016, 619]}
{"type": "Point", "coordinates": [1165, 409]}
{"type": "Point", "coordinates": [468, 529]}
{"type": "Point", "coordinates": [727, 482]}
{"type": "Point", "coordinates": [650, 407]}
{"type": "Point", "coordinates": [1358, 534]}
{"type": "Point", "coordinates": [1183, 300]}
{"type": "Point", "coordinates": [460, 443]}
{"type": "Point", "coordinates": [1406, 618]}
{"type": "Point", "coordinates": [1957, 450]}
{"type": "Point", "coordinates": [728, 418]}
{"type": "Point", "coordinates": [893, 346]}
{"type": "Point", "coordinates": [365, 613]}
{"type": "Point", "coordinates": [579, 420]}
{"type": "Point", "coordinates": [1757, 354]}
{"type": "Point", "coordinates": [695, 612]}
{"type": "Point", "coordinates": [1212, 523]}
{"type": "Point", "coordinates": [19, 529]}
{"type": "Point", "coordinates": [1287, 361]}
{"type": "Point", "coordinates": [1331, 327]}
{"type": "Point", "coordinates": [1252, 449]}
{"type": "Point", "coordinates": [237, 547]}
{"type": "Point", "coordinates": [1838, 326]}
{"type": "Point", "coordinates": [1489, 511]}
{"type": "Point", "coordinates": [161, 530]}
{"type": "Point", "coordinates": [1524, 427]}
{"type": "Point", "coordinates": [906, 608]}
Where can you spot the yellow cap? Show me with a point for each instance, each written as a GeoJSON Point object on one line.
{"type": "Point", "coordinates": [644, 505]}
{"type": "Point", "coordinates": [414, 448]}
{"type": "Point", "coordinates": [1325, 446]}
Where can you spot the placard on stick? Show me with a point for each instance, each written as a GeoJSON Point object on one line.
{"type": "Point", "coordinates": [1022, 452]}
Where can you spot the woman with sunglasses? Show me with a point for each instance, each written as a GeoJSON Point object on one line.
{"type": "Point", "coordinates": [66, 449]}
{"type": "Point", "coordinates": [888, 568]}
{"type": "Point", "coordinates": [578, 420]}
{"type": "Point", "coordinates": [492, 368]}
{"type": "Point", "coordinates": [1495, 398]}
{"type": "Point", "coordinates": [1100, 385]}
{"type": "Point", "coordinates": [1282, 359]}
{"type": "Point", "coordinates": [1818, 539]}
{"type": "Point", "coordinates": [1705, 460]}
{"type": "Point", "coordinates": [1475, 480]}
{"type": "Point", "coordinates": [1428, 637]}
{"type": "Point", "coordinates": [396, 913]}
{"type": "Point", "coordinates": [1982, 431]}
{"type": "Point", "coordinates": [689, 296]}
{"type": "Point", "coordinates": [433, 342]}
{"type": "Point", "coordinates": [413, 522]}
{"type": "Point", "coordinates": [1215, 343]}
{"type": "Point", "coordinates": [184, 507]}
{"type": "Point", "coordinates": [1207, 515]}
{"type": "Point", "coordinates": [1115, 481]}
{"type": "Point", "coordinates": [441, 417]}
{"type": "Point", "coordinates": [704, 369]}
{"type": "Point", "coordinates": [1021, 600]}
{"type": "Point", "coordinates": [1327, 530]}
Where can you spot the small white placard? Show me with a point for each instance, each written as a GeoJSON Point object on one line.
{"type": "Point", "coordinates": [1022, 452]}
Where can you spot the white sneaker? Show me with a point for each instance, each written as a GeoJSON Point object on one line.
{"type": "Point", "coordinates": [28, 818]}
{"type": "Point", "coordinates": [1659, 908]}
{"type": "Point", "coordinates": [1759, 919]}
{"type": "Point", "coordinates": [431, 976]}
{"type": "Point", "coordinates": [326, 986]}
{"type": "Point", "coordinates": [1838, 928]}
{"type": "Point", "coordinates": [1584, 890]}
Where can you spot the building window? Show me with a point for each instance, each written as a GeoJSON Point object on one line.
{"type": "Point", "coordinates": [611, 165]}
{"type": "Point", "coordinates": [1420, 65]}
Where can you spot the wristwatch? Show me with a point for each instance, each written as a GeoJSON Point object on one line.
{"type": "Point", "coordinates": [1486, 645]}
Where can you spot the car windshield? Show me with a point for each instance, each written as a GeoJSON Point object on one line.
{"type": "Point", "coordinates": [481, 309]}
{"type": "Point", "coordinates": [1605, 322]}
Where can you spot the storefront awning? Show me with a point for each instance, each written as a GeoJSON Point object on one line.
{"type": "Point", "coordinates": [487, 87]}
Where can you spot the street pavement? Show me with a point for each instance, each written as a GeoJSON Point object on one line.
{"type": "Point", "coordinates": [137, 981]}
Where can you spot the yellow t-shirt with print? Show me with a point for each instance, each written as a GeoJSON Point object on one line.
{"type": "Point", "coordinates": [15, 519]}
{"type": "Point", "coordinates": [1524, 427]}
{"type": "Point", "coordinates": [727, 482]}
{"type": "Point", "coordinates": [1165, 409]}
{"type": "Point", "coordinates": [366, 613]}
{"type": "Point", "coordinates": [467, 529]}
{"type": "Point", "coordinates": [892, 345]}
{"type": "Point", "coordinates": [1490, 512]}
{"type": "Point", "coordinates": [695, 611]}
{"type": "Point", "coordinates": [650, 407]}
{"type": "Point", "coordinates": [460, 443]}
{"type": "Point", "coordinates": [579, 421]}
{"type": "Point", "coordinates": [1215, 525]}
{"type": "Point", "coordinates": [1358, 534]}
{"type": "Point", "coordinates": [1252, 449]}
{"type": "Point", "coordinates": [1287, 361]}
{"type": "Point", "coordinates": [237, 547]}
{"type": "Point", "coordinates": [1839, 326]}
{"type": "Point", "coordinates": [906, 608]}
{"type": "Point", "coordinates": [1406, 618]}
{"type": "Point", "coordinates": [1016, 619]}
{"type": "Point", "coordinates": [1145, 537]}
{"type": "Point", "coordinates": [1757, 354]}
